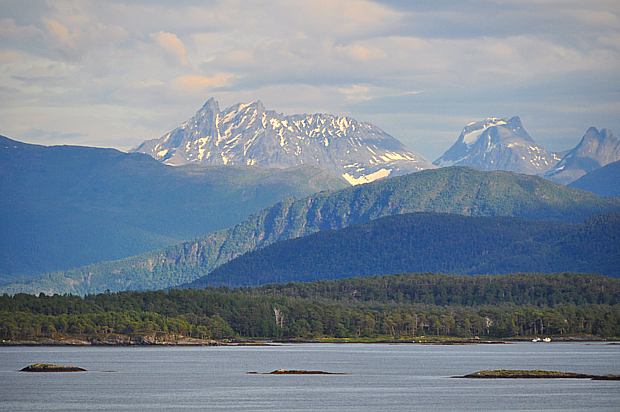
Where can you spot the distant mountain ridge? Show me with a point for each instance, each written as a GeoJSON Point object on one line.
{"type": "Point", "coordinates": [604, 181]}
{"type": "Point", "coordinates": [595, 150]}
{"type": "Point", "coordinates": [69, 206]}
{"type": "Point", "coordinates": [248, 134]}
{"type": "Point", "coordinates": [460, 190]}
{"type": "Point", "coordinates": [498, 144]}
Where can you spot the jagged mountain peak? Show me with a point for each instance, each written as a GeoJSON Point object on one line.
{"type": "Point", "coordinates": [498, 144]}
{"type": "Point", "coordinates": [249, 134]}
{"type": "Point", "coordinates": [211, 105]}
{"type": "Point", "coordinates": [592, 134]}
{"type": "Point", "coordinates": [596, 149]}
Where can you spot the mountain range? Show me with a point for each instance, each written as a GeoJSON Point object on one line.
{"type": "Point", "coordinates": [65, 207]}
{"type": "Point", "coordinates": [248, 134]}
{"type": "Point", "coordinates": [457, 190]}
{"type": "Point", "coordinates": [69, 206]}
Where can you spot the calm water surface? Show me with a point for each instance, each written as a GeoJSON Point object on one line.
{"type": "Point", "coordinates": [378, 378]}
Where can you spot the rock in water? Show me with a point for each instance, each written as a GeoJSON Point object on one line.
{"type": "Point", "coordinates": [48, 367]}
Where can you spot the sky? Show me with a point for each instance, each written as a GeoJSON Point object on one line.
{"type": "Point", "coordinates": [113, 73]}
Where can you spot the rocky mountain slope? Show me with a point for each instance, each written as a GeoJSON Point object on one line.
{"type": "Point", "coordinates": [460, 190]}
{"type": "Point", "coordinates": [248, 134]}
{"type": "Point", "coordinates": [69, 206]}
{"type": "Point", "coordinates": [498, 144]}
{"type": "Point", "coordinates": [596, 149]}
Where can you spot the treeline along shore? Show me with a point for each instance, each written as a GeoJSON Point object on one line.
{"type": "Point", "coordinates": [396, 307]}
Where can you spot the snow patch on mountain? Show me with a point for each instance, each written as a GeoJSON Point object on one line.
{"type": "Point", "coordinates": [379, 174]}
{"type": "Point", "coordinates": [471, 137]}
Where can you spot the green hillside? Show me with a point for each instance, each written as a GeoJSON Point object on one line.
{"type": "Point", "coordinates": [68, 206]}
{"type": "Point", "coordinates": [425, 242]}
{"type": "Point", "coordinates": [458, 190]}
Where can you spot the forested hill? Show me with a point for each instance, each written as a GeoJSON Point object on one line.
{"type": "Point", "coordinates": [425, 242]}
{"type": "Point", "coordinates": [459, 190]}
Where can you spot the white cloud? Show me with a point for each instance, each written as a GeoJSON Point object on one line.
{"type": "Point", "coordinates": [171, 44]}
{"type": "Point", "coordinates": [197, 84]}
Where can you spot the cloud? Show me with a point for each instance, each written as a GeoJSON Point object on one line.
{"type": "Point", "coordinates": [197, 84]}
{"type": "Point", "coordinates": [337, 19]}
{"type": "Point", "coordinates": [363, 53]}
{"type": "Point", "coordinates": [8, 29]}
{"type": "Point", "coordinates": [73, 43]}
{"type": "Point", "coordinates": [9, 56]}
{"type": "Point", "coordinates": [543, 60]}
{"type": "Point", "coordinates": [171, 44]}
{"type": "Point", "coordinates": [147, 84]}
{"type": "Point", "coordinates": [64, 41]}
{"type": "Point", "coordinates": [598, 18]}
{"type": "Point", "coordinates": [51, 137]}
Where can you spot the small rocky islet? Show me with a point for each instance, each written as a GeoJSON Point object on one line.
{"type": "Point", "coordinates": [295, 372]}
{"type": "Point", "coordinates": [49, 367]}
{"type": "Point", "coordinates": [534, 374]}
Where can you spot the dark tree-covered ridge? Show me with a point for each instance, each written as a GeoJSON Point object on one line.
{"type": "Point", "coordinates": [428, 242]}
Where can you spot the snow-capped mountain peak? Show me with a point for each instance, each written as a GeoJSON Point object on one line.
{"type": "Point", "coordinates": [498, 144]}
{"type": "Point", "coordinates": [248, 134]}
{"type": "Point", "coordinates": [472, 132]}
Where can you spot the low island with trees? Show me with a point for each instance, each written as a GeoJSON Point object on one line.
{"type": "Point", "coordinates": [419, 307]}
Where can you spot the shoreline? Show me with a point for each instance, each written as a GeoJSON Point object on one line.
{"type": "Point", "coordinates": [150, 340]}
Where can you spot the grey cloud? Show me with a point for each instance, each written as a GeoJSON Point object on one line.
{"type": "Point", "coordinates": [51, 137]}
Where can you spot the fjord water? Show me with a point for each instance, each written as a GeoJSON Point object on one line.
{"type": "Point", "coordinates": [376, 377]}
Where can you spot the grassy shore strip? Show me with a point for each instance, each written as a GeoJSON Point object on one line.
{"type": "Point", "coordinates": [114, 340]}
{"type": "Point", "coordinates": [439, 340]}
{"type": "Point", "coordinates": [179, 340]}
{"type": "Point", "coordinates": [535, 374]}
{"type": "Point", "coordinates": [49, 367]}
